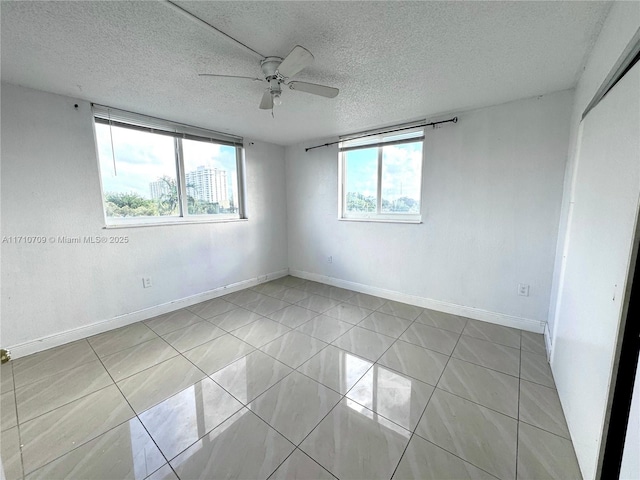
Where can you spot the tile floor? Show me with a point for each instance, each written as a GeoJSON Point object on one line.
{"type": "Point", "coordinates": [289, 379]}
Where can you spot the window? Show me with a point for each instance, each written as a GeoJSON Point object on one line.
{"type": "Point", "coordinates": [381, 176]}
{"type": "Point", "coordinates": [155, 171]}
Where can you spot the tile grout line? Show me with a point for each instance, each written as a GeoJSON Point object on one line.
{"type": "Point", "coordinates": [377, 311]}
{"type": "Point", "coordinates": [205, 376]}
{"type": "Point", "coordinates": [304, 323]}
{"type": "Point", "coordinates": [424, 411]}
{"type": "Point", "coordinates": [177, 393]}
{"type": "Point", "coordinates": [394, 342]}
{"type": "Point", "coordinates": [275, 359]}
{"type": "Point", "coordinates": [504, 373]}
{"type": "Point", "coordinates": [437, 388]}
{"type": "Point", "coordinates": [246, 405]}
{"type": "Point", "coordinates": [490, 341]}
{"type": "Point", "coordinates": [64, 404]}
{"type": "Point", "coordinates": [156, 404]}
{"type": "Point", "coordinates": [92, 438]}
{"type": "Point", "coordinates": [74, 399]}
{"type": "Point", "coordinates": [425, 408]}
{"type": "Point", "coordinates": [411, 432]}
{"type": "Point", "coordinates": [244, 305]}
{"type": "Point", "coordinates": [18, 430]}
{"type": "Point", "coordinates": [255, 349]}
{"type": "Point", "coordinates": [117, 386]}
{"type": "Point", "coordinates": [301, 333]}
{"type": "Point", "coordinates": [144, 369]}
{"type": "Point", "coordinates": [15, 387]}
{"type": "Point", "coordinates": [19, 423]}
{"type": "Point", "coordinates": [377, 333]}
{"type": "Point", "coordinates": [296, 446]}
{"type": "Point", "coordinates": [342, 397]}
{"type": "Point", "coordinates": [475, 403]}
{"type": "Point", "coordinates": [545, 430]}
{"type": "Point", "coordinates": [373, 364]}
{"type": "Point", "coordinates": [140, 322]}
{"type": "Point", "coordinates": [136, 416]}
{"type": "Point", "coordinates": [327, 386]}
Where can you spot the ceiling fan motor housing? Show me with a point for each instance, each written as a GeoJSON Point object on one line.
{"type": "Point", "coordinates": [270, 66]}
{"type": "Point", "coordinates": [270, 69]}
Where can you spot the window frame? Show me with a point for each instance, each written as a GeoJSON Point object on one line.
{"type": "Point", "coordinates": [376, 139]}
{"type": "Point", "coordinates": [120, 118]}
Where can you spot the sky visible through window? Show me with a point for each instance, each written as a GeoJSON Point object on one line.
{"type": "Point", "coordinates": [401, 178]}
{"type": "Point", "coordinates": [401, 174]}
{"type": "Point", "coordinates": [142, 158]}
{"type": "Point", "coordinates": [362, 171]}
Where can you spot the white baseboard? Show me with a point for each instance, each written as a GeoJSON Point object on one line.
{"type": "Point", "coordinates": [85, 331]}
{"type": "Point", "coordinates": [521, 323]}
{"type": "Point", "coordinates": [547, 341]}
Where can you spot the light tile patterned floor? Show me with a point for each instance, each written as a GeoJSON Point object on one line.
{"type": "Point", "coordinates": [289, 379]}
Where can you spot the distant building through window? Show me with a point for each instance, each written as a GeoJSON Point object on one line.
{"type": "Point", "coordinates": [208, 185]}
{"type": "Point", "coordinates": [158, 189]}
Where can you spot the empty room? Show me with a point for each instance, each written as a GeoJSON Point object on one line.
{"type": "Point", "coordinates": [319, 240]}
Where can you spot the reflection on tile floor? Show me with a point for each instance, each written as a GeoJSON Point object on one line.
{"type": "Point", "coordinates": [290, 379]}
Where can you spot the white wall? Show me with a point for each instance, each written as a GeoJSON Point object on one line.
{"type": "Point", "coordinates": [50, 187]}
{"type": "Point", "coordinates": [583, 328]}
{"type": "Point", "coordinates": [491, 201]}
{"type": "Point", "coordinates": [621, 24]}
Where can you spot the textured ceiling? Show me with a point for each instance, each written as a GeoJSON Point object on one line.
{"type": "Point", "coordinates": [392, 61]}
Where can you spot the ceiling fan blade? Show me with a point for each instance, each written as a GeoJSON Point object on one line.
{"type": "Point", "coordinates": [267, 101]}
{"type": "Point", "coordinates": [321, 90]}
{"type": "Point", "coordinates": [230, 76]}
{"type": "Point", "coordinates": [297, 59]}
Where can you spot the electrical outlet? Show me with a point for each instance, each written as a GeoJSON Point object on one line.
{"type": "Point", "coordinates": [146, 282]}
{"type": "Point", "coordinates": [329, 259]}
{"type": "Point", "coordinates": [523, 289]}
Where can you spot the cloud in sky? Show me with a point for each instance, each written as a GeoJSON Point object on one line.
{"type": "Point", "coordinates": [401, 171]}
{"type": "Point", "coordinates": [142, 158]}
{"type": "Point", "coordinates": [209, 155]}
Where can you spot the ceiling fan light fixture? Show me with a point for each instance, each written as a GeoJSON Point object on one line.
{"type": "Point", "coordinates": [277, 100]}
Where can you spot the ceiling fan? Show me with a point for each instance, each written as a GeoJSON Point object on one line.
{"type": "Point", "coordinates": [277, 72]}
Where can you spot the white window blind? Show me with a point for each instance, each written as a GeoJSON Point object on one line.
{"type": "Point", "coordinates": [115, 117]}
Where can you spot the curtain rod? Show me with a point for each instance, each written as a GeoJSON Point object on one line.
{"type": "Point", "coordinates": [453, 120]}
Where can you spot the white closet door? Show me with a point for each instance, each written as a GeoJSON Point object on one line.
{"type": "Point", "coordinates": [601, 232]}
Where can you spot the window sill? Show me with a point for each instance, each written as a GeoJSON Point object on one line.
{"type": "Point", "coordinates": [379, 220]}
{"type": "Point", "coordinates": [172, 223]}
